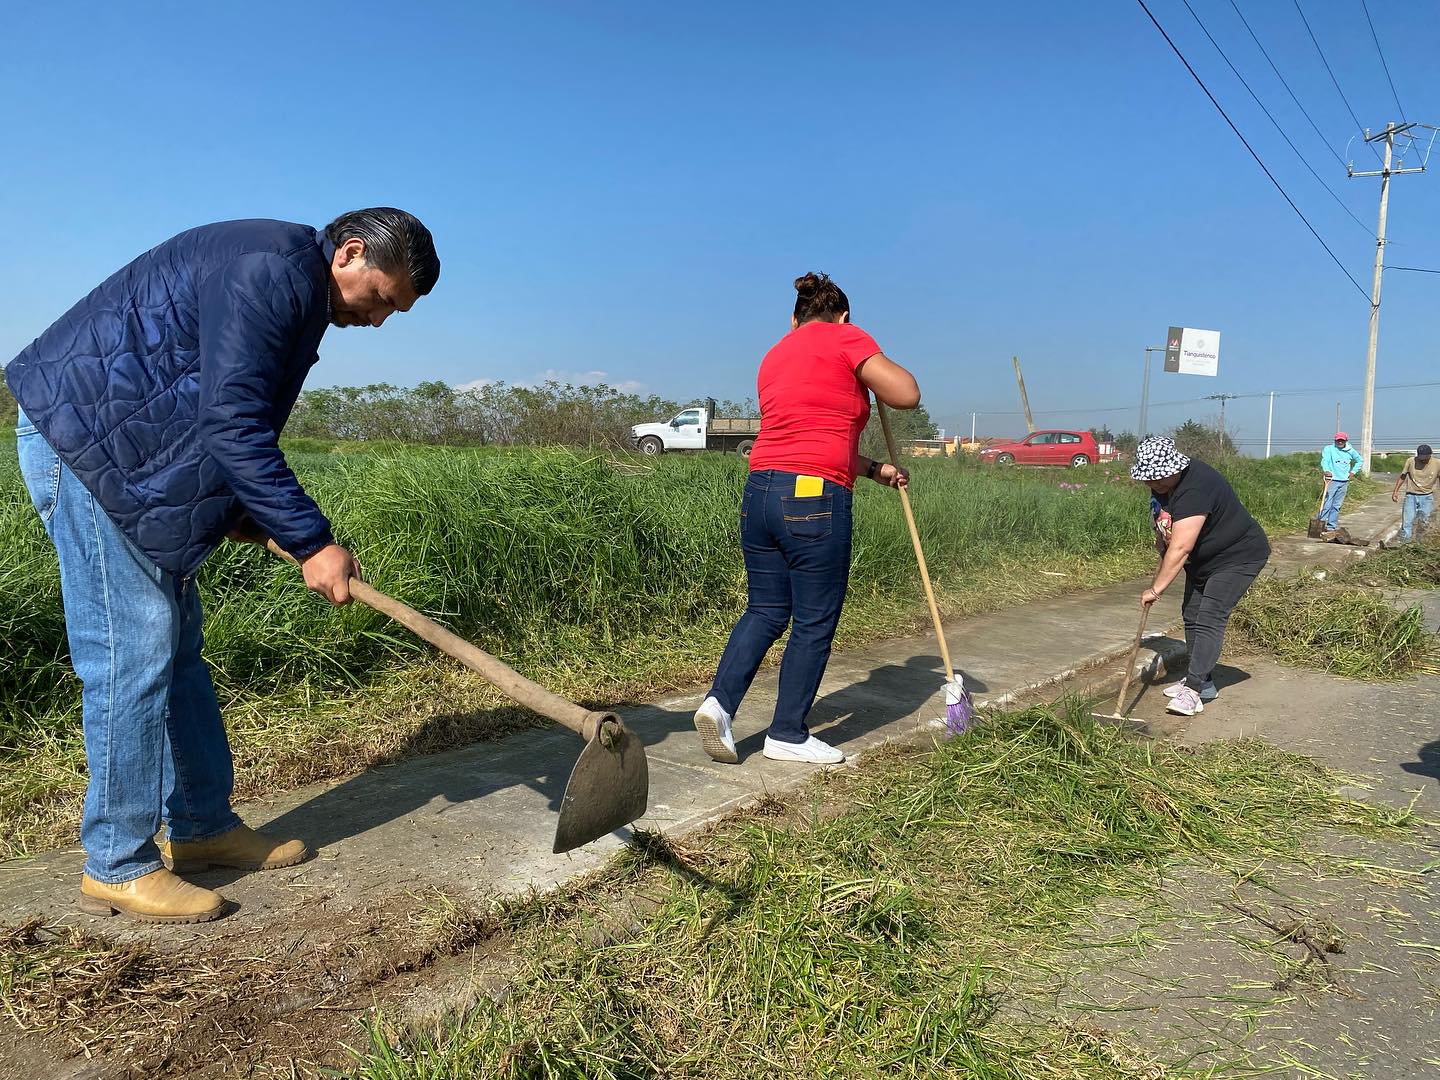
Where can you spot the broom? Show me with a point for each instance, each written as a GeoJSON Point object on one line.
{"type": "Point", "coordinates": [959, 708]}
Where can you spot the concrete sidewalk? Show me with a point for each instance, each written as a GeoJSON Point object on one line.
{"type": "Point", "coordinates": [480, 820]}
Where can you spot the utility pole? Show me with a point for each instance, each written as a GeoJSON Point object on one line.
{"type": "Point", "coordinates": [972, 429]}
{"type": "Point", "coordinates": [1222, 398]}
{"type": "Point", "coordinates": [1337, 417]}
{"type": "Point", "coordinates": [1269, 423]}
{"type": "Point", "coordinates": [1024, 398]}
{"type": "Point", "coordinates": [1367, 411]}
{"type": "Point", "coordinates": [1145, 391]}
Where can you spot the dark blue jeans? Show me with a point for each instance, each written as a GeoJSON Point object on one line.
{"type": "Point", "coordinates": [797, 560]}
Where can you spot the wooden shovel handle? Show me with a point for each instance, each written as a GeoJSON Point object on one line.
{"type": "Point", "coordinates": [515, 686]}
{"type": "Point", "coordinates": [915, 540]}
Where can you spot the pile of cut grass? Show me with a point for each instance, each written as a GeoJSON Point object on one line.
{"type": "Point", "coordinates": [1340, 629]}
{"type": "Point", "coordinates": [872, 929]}
{"type": "Point", "coordinates": [1409, 566]}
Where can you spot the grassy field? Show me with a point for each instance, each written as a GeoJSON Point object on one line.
{"type": "Point", "coordinates": [607, 579]}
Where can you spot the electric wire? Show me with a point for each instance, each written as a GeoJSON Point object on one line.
{"type": "Point", "coordinates": [1303, 160]}
{"type": "Point", "coordinates": [1414, 269]}
{"type": "Point", "coordinates": [1376, 38]}
{"type": "Point", "coordinates": [1219, 108]}
{"type": "Point", "coordinates": [1250, 396]}
{"type": "Point", "coordinates": [1305, 112]}
{"type": "Point", "coordinates": [1321, 53]}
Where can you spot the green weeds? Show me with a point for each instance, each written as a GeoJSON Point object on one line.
{"type": "Point", "coordinates": [606, 578]}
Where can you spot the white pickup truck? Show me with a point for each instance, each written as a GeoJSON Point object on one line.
{"type": "Point", "coordinates": [697, 429]}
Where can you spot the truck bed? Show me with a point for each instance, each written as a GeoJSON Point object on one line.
{"type": "Point", "coordinates": [734, 425]}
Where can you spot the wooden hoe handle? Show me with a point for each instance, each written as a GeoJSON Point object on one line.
{"type": "Point", "coordinates": [581, 721]}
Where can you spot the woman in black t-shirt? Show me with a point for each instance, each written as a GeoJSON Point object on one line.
{"type": "Point", "coordinates": [1202, 528]}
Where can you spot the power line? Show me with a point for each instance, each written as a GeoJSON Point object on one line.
{"type": "Point", "coordinates": [1303, 160]}
{"type": "Point", "coordinates": [1201, 82]}
{"type": "Point", "coordinates": [1333, 152]}
{"type": "Point", "coordinates": [1413, 269]}
{"type": "Point", "coordinates": [1198, 400]}
{"type": "Point", "coordinates": [1316, 42]}
{"type": "Point", "coordinates": [1376, 38]}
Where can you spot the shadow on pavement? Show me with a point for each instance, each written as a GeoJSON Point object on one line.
{"type": "Point", "coordinates": [1427, 761]}
{"type": "Point", "coordinates": [887, 694]}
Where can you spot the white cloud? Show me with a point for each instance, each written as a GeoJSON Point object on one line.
{"type": "Point", "coordinates": [473, 384]}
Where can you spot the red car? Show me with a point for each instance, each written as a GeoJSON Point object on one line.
{"type": "Point", "coordinates": [1070, 449]}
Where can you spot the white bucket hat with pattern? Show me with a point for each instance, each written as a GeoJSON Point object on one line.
{"type": "Point", "coordinates": [1156, 458]}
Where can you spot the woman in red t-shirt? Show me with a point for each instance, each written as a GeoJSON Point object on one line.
{"type": "Point", "coordinates": [814, 389]}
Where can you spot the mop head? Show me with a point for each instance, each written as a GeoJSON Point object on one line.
{"type": "Point", "coordinates": [959, 708]}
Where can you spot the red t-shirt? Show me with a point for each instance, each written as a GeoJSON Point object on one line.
{"type": "Point", "coordinates": [813, 406]}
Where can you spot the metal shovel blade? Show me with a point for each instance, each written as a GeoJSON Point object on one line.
{"type": "Point", "coordinates": [608, 788]}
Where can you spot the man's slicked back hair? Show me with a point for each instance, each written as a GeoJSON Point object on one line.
{"type": "Point", "coordinates": [394, 241]}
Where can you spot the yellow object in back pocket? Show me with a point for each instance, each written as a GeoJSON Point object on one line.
{"type": "Point", "coordinates": [807, 487]}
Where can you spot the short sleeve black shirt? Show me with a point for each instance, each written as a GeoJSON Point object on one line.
{"type": "Point", "coordinates": [1229, 536]}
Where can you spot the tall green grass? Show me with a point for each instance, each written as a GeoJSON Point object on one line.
{"type": "Point", "coordinates": [571, 563]}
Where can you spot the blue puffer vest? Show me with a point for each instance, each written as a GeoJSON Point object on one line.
{"type": "Point", "coordinates": [165, 389]}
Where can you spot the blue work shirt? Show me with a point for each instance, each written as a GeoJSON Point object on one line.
{"type": "Point", "coordinates": [1339, 463]}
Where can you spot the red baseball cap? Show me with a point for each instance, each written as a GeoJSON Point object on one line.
{"type": "Point", "coordinates": [1339, 435]}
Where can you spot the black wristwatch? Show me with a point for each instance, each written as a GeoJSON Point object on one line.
{"type": "Point", "coordinates": [872, 470]}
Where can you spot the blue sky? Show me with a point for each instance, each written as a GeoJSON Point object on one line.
{"type": "Point", "coordinates": [628, 189]}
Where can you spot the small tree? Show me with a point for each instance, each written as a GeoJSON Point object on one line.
{"type": "Point", "coordinates": [1126, 442]}
{"type": "Point", "coordinates": [1195, 439]}
{"type": "Point", "coordinates": [905, 425]}
{"type": "Point", "coordinates": [1103, 434]}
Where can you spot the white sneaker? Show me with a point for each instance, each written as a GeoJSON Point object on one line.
{"type": "Point", "coordinates": [713, 724]}
{"type": "Point", "coordinates": [1208, 692]}
{"type": "Point", "coordinates": [811, 750]}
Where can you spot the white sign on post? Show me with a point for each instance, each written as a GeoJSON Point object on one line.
{"type": "Point", "coordinates": [1192, 352]}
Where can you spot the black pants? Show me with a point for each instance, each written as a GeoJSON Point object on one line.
{"type": "Point", "coordinates": [1210, 596]}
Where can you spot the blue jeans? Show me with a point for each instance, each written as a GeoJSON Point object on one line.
{"type": "Point", "coordinates": [1334, 499]}
{"type": "Point", "coordinates": [1415, 507]}
{"type": "Point", "coordinates": [797, 562]}
{"type": "Point", "coordinates": [153, 734]}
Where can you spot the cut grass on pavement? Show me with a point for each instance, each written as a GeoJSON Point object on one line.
{"type": "Point", "coordinates": [875, 925]}
{"type": "Point", "coordinates": [1337, 628]}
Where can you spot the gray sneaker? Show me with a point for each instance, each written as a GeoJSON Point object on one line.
{"type": "Point", "coordinates": [1208, 692]}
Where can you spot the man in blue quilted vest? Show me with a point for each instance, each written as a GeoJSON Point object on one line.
{"type": "Point", "coordinates": [148, 431]}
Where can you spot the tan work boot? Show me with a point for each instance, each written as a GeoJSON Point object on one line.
{"type": "Point", "coordinates": [242, 847]}
{"type": "Point", "coordinates": [158, 896]}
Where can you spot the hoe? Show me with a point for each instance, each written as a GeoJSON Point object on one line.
{"type": "Point", "coordinates": [610, 784]}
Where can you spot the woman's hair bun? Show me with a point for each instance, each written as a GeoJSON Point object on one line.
{"type": "Point", "coordinates": [819, 298]}
{"type": "Point", "coordinates": [807, 285]}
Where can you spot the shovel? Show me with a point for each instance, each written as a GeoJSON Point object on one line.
{"type": "Point", "coordinates": [610, 784]}
{"type": "Point", "coordinates": [1316, 526]}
